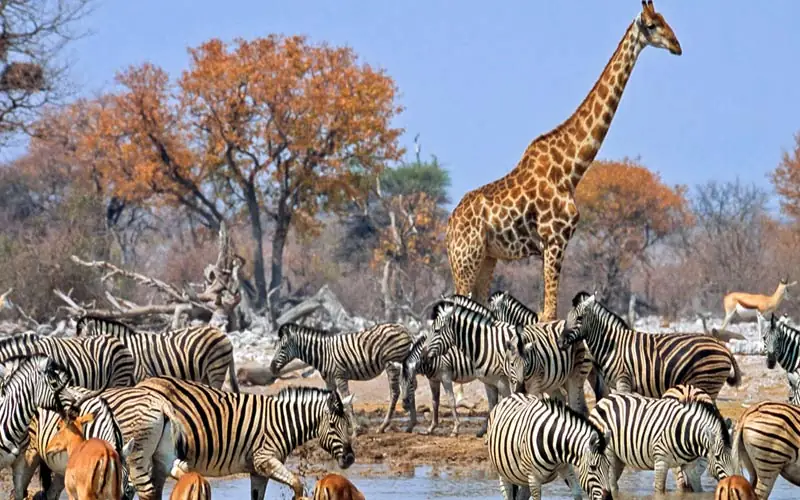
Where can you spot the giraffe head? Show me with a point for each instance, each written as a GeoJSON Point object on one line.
{"type": "Point", "coordinates": [656, 31]}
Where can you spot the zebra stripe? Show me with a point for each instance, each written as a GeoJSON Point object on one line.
{"type": "Point", "coordinates": [339, 358]}
{"type": "Point", "coordinates": [652, 434]}
{"type": "Point", "coordinates": [767, 443]}
{"type": "Point", "coordinates": [534, 360]}
{"type": "Point", "coordinates": [28, 384]}
{"type": "Point", "coordinates": [510, 309]}
{"type": "Point", "coordinates": [93, 362]}
{"type": "Point", "coordinates": [228, 433]}
{"type": "Point", "coordinates": [141, 415]}
{"type": "Point", "coordinates": [532, 440]}
{"type": "Point", "coordinates": [200, 353]}
{"type": "Point", "coordinates": [647, 363]}
{"type": "Point", "coordinates": [454, 366]}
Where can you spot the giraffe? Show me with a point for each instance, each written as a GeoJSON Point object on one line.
{"type": "Point", "coordinates": [532, 211]}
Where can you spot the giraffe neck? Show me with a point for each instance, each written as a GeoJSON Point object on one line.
{"type": "Point", "coordinates": [585, 130]}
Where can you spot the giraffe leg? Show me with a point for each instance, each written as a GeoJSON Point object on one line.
{"type": "Point", "coordinates": [552, 259]}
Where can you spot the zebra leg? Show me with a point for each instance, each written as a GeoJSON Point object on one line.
{"type": "Point", "coordinates": [568, 474]}
{"type": "Point", "coordinates": [615, 471]}
{"type": "Point", "coordinates": [765, 483]}
{"type": "Point", "coordinates": [508, 489]}
{"type": "Point", "coordinates": [258, 487]}
{"type": "Point", "coordinates": [22, 470]}
{"type": "Point", "coordinates": [491, 396]}
{"type": "Point", "coordinates": [393, 374]}
{"type": "Point", "coordinates": [435, 396]}
{"type": "Point", "coordinates": [269, 467]}
{"type": "Point", "coordinates": [577, 398]}
{"type": "Point", "coordinates": [661, 469]}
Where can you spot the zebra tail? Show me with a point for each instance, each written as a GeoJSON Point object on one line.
{"type": "Point", "coordinates": [735, 445]}
{"type": "Point", "coordinates": [178, 432]}
{"type": "Point", "coordinates": [45, 476]}
{"type": "Point", "coordinates": [735, 377]}
{"type": "Point", "coordinates": [232, 376]}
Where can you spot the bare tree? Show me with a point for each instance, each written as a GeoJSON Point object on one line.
{"type": "Point", "coordinates": [32, 34]}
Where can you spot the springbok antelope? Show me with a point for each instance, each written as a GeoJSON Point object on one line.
{"type": "Point", "coordinates": [746, 305]}
{"type": "Point", "coordinates": [336, 487]}
{"type": "Point", "coordinates": [94, 469]}
{"type": "Point", "coordinates": [734, 488]}
{"type": "Point", "coordinates": [191, 486]}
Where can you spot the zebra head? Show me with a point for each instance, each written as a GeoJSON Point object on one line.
{"type": "Point", "coordinates": [45, 377]}
{"type": "Point", "coordinates": [573, 327]}
{"type": "Point", "coordinates": [594, 467]}
{"type": "Point", "coordinates": [286, 348]}
{"type": "Point", "coordinates": [794, 387]}
{"type": "Point", "coordinates": [516, 357]}
{"type": "Point", "coordinates": [443, 335]}
{"type": "Point", "coordinates": [335, 430]}
{"type": "Point", "coordinates": [769, 336]}
{"type": "Point", "coordinates": [408, 372]}
{"type": "Point", "coordinates": [717, 441]}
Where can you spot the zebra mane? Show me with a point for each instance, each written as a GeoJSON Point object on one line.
{"type": "Point", "coordinates": [468, 303]}
{"type": "Point", "coordinates": [294, 328]}
{"type": "Point", "coordinates": [86, 318]}
{"type": "Point", "coordinates": [713, 410]}
{"type": "Point", "coordinates": [19, 365]}
{"type": "Point", "coordinates": [609, 313]}
{"type": "Point", "coordinates": [414, 354]}
{"type": "Point", "coordinates": [297, 394]}
{"type": "Point", "coordinates": [478, 314]}
{"type": "Point", "coordinates": [556, 406]}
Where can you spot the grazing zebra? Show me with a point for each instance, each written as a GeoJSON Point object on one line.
{"type": "Point", "coordinates": [201, 353]}
{"type": "Point", "coordinates": [31, 383]}
{"type": "Point", "coordinates": [647, 363]}
{"type": "Point", "coordinates": [93, 363]}
{"type": "Point", "coordinates": [141, 415]}
{"type": "Point", "coordinates": [479, 337]}
{"type": "Point", "coordinates": [659, 434]}
{"type": "Point", "coordinates": [532, 440]}
{"type": "Point", "coordinates": [767, 443]}
{"type": "Point", "coordinates": [227, 433]}
{"type": "Point", "coordinates": [454, 366]}
{"type": "Point", "coordinates": [339, 358]}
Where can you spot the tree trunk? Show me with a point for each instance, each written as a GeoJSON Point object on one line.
{"type": "Point", "coordinates": [276, 278]}
{"type": "Point", "coordinates": [257, 233]}
{"type": "Point", "coordinates": [386, 290]}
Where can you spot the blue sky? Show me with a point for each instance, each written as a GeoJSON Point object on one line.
{"type": "Point", "coordinates": [479, 82]}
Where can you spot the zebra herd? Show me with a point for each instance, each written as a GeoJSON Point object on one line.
{"type": "Point", "coordinates": [158, 399]}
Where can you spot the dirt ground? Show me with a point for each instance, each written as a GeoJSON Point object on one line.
{"type": "Point", "coordinates": [397, 453]}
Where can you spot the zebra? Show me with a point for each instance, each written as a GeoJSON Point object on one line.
{"type": "Point", "coordinates": [659, 434]}
{"type": "Point", "coordinates": [534, 360]}
{"type": "Point", "coordinates": [227, 433]}
{"type": "Point", "coordinates": [201, 353]}
{"type": "Point", "coordinates": [532, 440]}
{"type": "Point", "coordinates": [92, 362]}
{"type": "Point", "coordinates": [781, 345]}
{"type": "Point", "coordinates": [767, 442]}
{"type": "Point", "coordinates": [142, 416]}
{"type": "Point", "coordinates": [479, 337]}
{"type": "Point", "coordinates": [30, 383]}
{"type": "Point", "coordinates": [454, 366]}
{"type": "Point", "coordinates": [647, 363]}
{"type": "Point", "coordinates": [104, 426]}
{"type": "Point", "coordinates": [339, 358]}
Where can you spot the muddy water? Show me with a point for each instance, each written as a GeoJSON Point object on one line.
{"type": "Point", "coordinates": [427, 482]}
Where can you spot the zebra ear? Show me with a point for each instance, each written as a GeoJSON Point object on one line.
{"type": "Point", "coordinates": [728, 423]}
{"type": "Point", "coordinates": [593, 446]}
{"type": "Point", "coordinates": [348, 400]}
{"type": "Point", "coordinates": [126, 450]}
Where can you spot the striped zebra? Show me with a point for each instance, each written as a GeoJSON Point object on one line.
{"type": "Point", "coordinates": [142, 416]}
{"type": "Point", "coordinates": [104, 426]}
{"type": "Point", "coordinates": [28, 384]}
{"type": "Point", "coordinates": [647, 363]}
{"type": "Point", "coordinates": [767, 442]}
{"type": "Point", "coordinates": [339, 358]}
{"type": "Point", "coordinates": [480, 337]}
{"type": "Point", "coordinates": [659, 434]}
{"type": "Point", "coordinates": [782, 346]}
{"type": "Point", "coordinates": [227, 433]}
{"type": "Point", "coordinates": [454, 366]}
{"type": "Point", "coordinates": [532, 440]}
{"type": "Point", "coordinates": [93, 362]}
{"type": "Point", "coordinates": [533, 360]}
{"type": "Point", "coordinates": [200, 353]}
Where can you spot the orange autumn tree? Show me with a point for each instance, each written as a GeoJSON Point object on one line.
{"type": "Point", "coordinates": [271, 129]}
{"type": "Point", "coordinates": [786, 179]}
{"type": "Point", "coordinates": [625, 209]}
